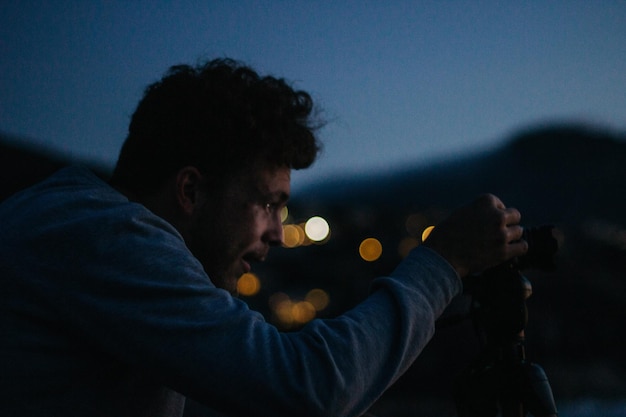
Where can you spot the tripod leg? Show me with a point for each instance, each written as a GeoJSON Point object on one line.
{"type": "Point", "coordinates": [476, 389]}
{"type": "Point", "coordinates": [538, 393]}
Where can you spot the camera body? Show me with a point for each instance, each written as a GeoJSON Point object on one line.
{"type": "Point", "coordinates": [542, 246]}
{"type": "Point", "coordinates": [500, 378]}
{"type": "Point", "coordinates": [499, 294]}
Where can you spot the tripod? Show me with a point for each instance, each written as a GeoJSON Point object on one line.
{"type": "Point", "coordinates": [501, 379]}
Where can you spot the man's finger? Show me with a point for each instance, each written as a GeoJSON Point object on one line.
{"type": "Point", "coordinates": [517, 248]}
{"type": "Point", "coordinates": [512, 216]}
{"type": "Point", "coordinates": [514, 233]}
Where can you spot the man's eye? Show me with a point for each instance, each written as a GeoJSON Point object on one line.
{"type": "Point", "coordinates": [273, 208]}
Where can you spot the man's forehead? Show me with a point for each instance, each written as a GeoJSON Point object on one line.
{"type": "Point", "coordinates": [275, 180]}
{"type": "Point", "coordinates": [267, 179]}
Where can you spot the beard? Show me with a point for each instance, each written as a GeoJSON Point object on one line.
{"type": "Point", "coordinates": [212, 243]}
{"type": "Point", "coordinates": [221, 275]}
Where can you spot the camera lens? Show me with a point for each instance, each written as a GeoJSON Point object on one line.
{"type": "Point", "coordinates": [542, 245]}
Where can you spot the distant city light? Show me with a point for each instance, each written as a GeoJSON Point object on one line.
{"type": "Point", "coordinates": [414, 223]}
{"type": "Point", "coordinates": [370, 249]}
{"type": "Point", "coordinates": [302, 312]}
{"type": "Point", "coordinates": [248, 284]}
{"type": "Point", "coordinates": [283, 312]}
{"type": "Point", "coordinates": [317, 229]}
{"type": "Point", "coordinates": [290, 313]}
{"type": "Point", "coordinates": [293, 235]}
{"type": "Point", "coordinates": [276, 299]}
{"type": "Point", "coordinates": [426, 233]}
{"type": "Point", "coordinates": [284, 213]}
{"type": "Point", "coordinates": [318, 299]}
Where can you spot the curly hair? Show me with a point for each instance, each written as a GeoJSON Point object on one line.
{"type": "Point", "coordinates": [220, 117]}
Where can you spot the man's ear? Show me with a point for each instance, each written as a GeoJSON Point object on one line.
{"type": "Point", "coordinates": [189, 188]}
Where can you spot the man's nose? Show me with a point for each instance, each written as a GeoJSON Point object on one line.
{"type": "Point", "coordinates": [275, 233]}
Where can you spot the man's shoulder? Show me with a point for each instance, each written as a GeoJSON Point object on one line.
{"type": "Point", "coordinates": [74, 199]}
{"type": "Point", "coordinates": [62, 182]}
{"type": "Point", "coordinates": [76, 178]}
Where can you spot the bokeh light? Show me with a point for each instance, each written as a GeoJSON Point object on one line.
{"type": "Point", "coordinates": [284, 214]}
{"type": "Point", "coordinates": [282, 309]}
{"type": "Point", "coordinates": [427, 232]}
{"type": "Point", "coordinates": [292, 313]}
{"type": "Point", "coordinates": [317, 229]}
{"type": "Point", "coordinates": [248, 284]}
{"type": "Point", "coordinates": [370, 249]}
{"type": "Point", "coordinates": [302, 312]}
{"type": "Point", "coordinates": [293, 235]}
{"type": "Point", "coordinates": [318, 299]}
{"type": "Point", "coordinates": [414, 223]}
{"type": "Point", "coordinates": [276, 299]}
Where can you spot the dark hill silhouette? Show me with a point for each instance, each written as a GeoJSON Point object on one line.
{"type": "Point", "coordinates": [556, 164]}
{"type": "Point", "coordinates": [22, 165]}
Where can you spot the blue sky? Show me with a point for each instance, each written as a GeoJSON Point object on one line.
{"type": "Point", "coordinates": [401, 82]}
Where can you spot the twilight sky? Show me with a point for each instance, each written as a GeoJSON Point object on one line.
{"type": "Point", "coordinates": [400, 82]}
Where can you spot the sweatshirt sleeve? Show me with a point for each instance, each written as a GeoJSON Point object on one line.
{"type": "Point", "coordinates": [138, 295]}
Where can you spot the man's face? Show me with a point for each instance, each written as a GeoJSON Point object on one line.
{"type": "Point", "coordinates": [239, 224]}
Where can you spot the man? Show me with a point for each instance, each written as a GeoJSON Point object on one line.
{"type": "Point", "coordinates": [114, 298]}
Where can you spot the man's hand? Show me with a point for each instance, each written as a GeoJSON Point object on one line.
{"type": "Point", "coordinates": [480, 235]}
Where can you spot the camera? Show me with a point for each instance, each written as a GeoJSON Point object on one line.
{"type": "Point", "coordinates": [500, 377]}
{"type": "Point", "coordinates": [542, 246]}
{"type": "Point", "coordinates": [499, 293]}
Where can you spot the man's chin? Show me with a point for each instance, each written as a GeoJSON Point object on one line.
{"type": "Point", "coordinates": [225, 280]}
{"type": "Point", "coordinates": [230, 285]}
